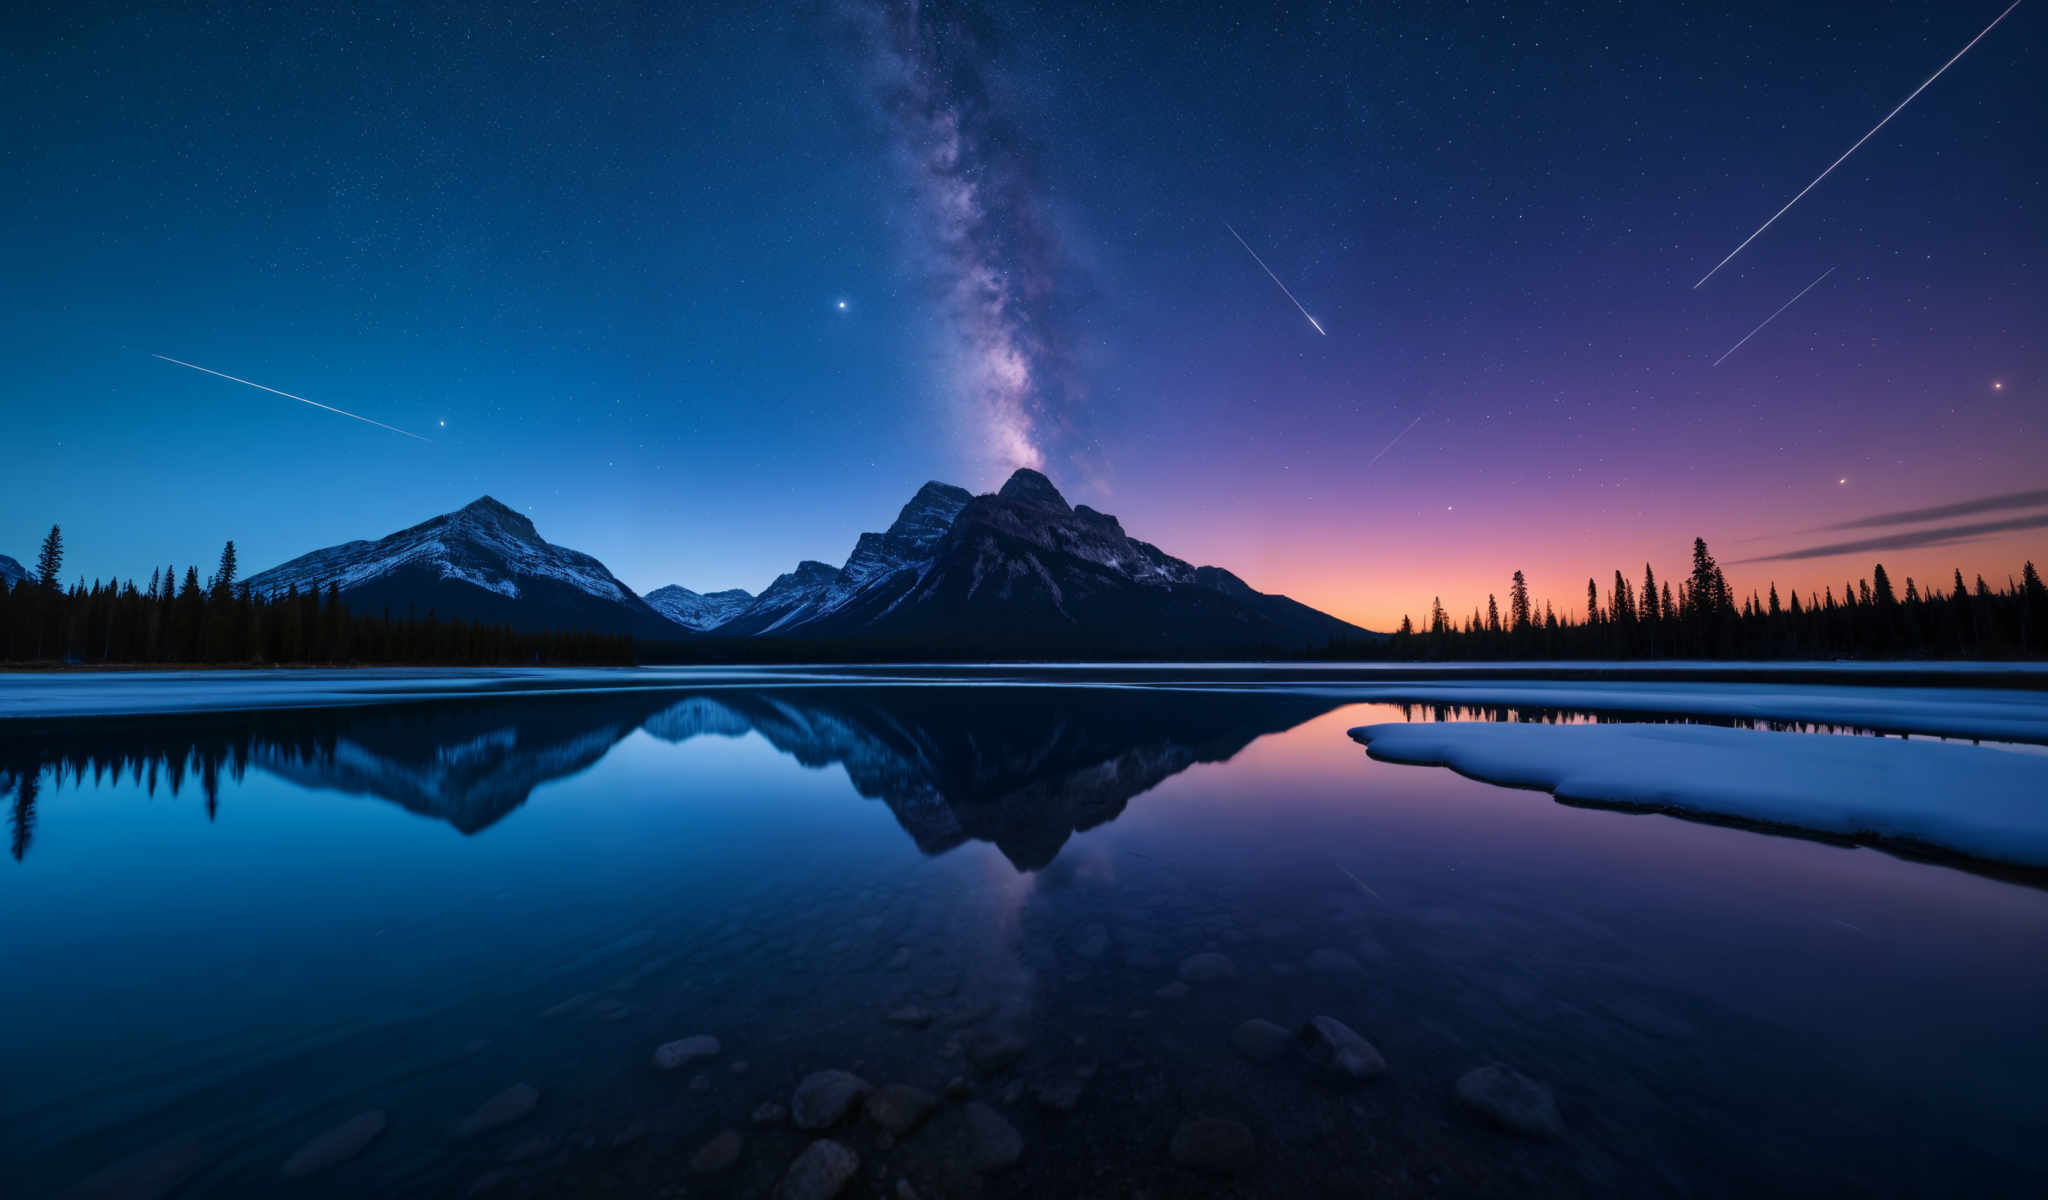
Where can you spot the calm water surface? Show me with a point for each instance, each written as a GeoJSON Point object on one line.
{"type": "Point", "coordinates": [221, 936]}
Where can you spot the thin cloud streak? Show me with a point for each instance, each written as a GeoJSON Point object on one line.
{"type": "Point", "coordinates": [1939, 536]}
{"type": "Point", "coordinates": [1961, 508]}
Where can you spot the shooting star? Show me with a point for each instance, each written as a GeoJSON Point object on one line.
{"type": "Point", "coordinates": [1774, 316]}
{"type": "Point", "coordinates": [1269, 274]}
{"type": "Point", "coordinates": [1859, 142]}
{"type": "Point", "coordinates": [1390, 445]}
{"type": "Point", "coordinates": [287, 395]}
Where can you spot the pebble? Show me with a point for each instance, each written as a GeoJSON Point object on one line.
{"type": "Point", "coordinates": [502, 1109]}
{"type": "Point", "coordinates": [337, 1145]}
{"type": "Point", "coordinates": [700, 1082]}
{"type": "Point", "coordinates": [1511, 1100]}
{"type": "Point", "coordinates": [992, 1142]}
{"type": "Point", "coordinates": [1206, 967]}
{"type": "Point", "coordinates": [717, 1154]}
{"type": "Point", "coordinates": [1336, 1047]}
{"type": "Point", "coordinates": [992, 1051]}
{"type": "Point", "coordinates": [1261, 1040]}
{"type": "Point", "coordinates": [1336, 964]}
{"type": "Point", "coordinates": [899, 1107]}
{"type": "Point", "coordinates": [684, 1051]}
{"type": "Point", "coordinates": [819, 1173]}
{"type": "Point", "coordinates": [1059, 1095]}
{"type": "Point", "coordinates": [909, 1015]}
{"type": "Point", "coordinates": [959, 1088]}
{"type": "Point", "coordinates": [823, 1098]}
{"type": "Point", "coordinates": [1214, 1144]}
{"type": "Point", "coordinates": [770, 1113]}
{"type": "Point", "coordinates": [1172, 991]}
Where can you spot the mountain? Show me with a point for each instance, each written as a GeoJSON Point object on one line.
{"type": "Point", "coordinates": [881, 564]}
{"type": "Point", "coordinates": [1021, 570]}
{"type": "Point", "coordinates": [483, 562]}
{"type": "Point", "coordinates": [694, 611]}
{"type": "Point", "coordinates": [12, 573]}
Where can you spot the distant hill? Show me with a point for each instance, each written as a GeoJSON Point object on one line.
{"type": "Point", "coordinates": [13, 573]}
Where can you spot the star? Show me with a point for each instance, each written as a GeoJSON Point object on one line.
{"type": "Point", "coordinates": [842, 306]}
{"type": "Point", "coordinates": [1997, 385]}
{"type": "Point", "coordinates": [444, 424]}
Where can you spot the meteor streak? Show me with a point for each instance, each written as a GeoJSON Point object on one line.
{"type": "Point", "coordinates": [1390, 445]}
{"type": "Point", "coordinates": [1269, 274]}
{"type": "Point", "coordinates": [1774, 316]}
{"type": "Point", "coordinates": [1859, 142]}
{"type": "Point", "coordinates": [287, 395]}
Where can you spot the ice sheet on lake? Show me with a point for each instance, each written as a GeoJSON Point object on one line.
{"type": "Point", "coordinates": [1981, 802]}
{"type": "Point", "coordinates": [2002, 713]}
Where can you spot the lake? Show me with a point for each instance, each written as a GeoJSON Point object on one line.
{"type": "Point", "coordinates": [1047, 905]}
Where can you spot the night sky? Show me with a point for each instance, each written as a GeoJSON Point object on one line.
{"type": "Point", "coordinates": [707, 289]}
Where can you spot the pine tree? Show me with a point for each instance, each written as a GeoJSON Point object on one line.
{"type": "Point", "coordinates": [1650, 609]}
{"type": "Point", "coordinates": [50, 563]}
{"type": "Point", "coordinates": [1518, 603]}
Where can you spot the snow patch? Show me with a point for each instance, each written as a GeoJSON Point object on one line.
{"type": "Point", "coordinates": [1975, 801]}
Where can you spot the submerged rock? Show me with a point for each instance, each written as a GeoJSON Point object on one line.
{"type": "Point", "coordinates": [1060, 1095]}
{"type": "Point", "coordinates": [1340, 965]}
{"type": "Point", "coordinates": [823, 1097]}
{"type": "Point", "coordinates": [993, 1144]}
{"type": "Point", "coordinates": [1511, 1100]}
{"type": "Point", "coordinates": [510, 1105]}
{"type": "Point", "coordinates": [682, 1052]}
{"type": "Point", "coordinates": [770, 1113]}
{"type": "Point", "coordinates": [1261, 1040]}
{"type": "Point", "coordinates": [1206, 967]}
{"type": "Point", "coordinates": [1172, 991]}
{"type": "Point", "coordinates": [899, 1107]}
{"type": "Point", "coordinates": [993, 1050]}
{"type": "Point", "coordinates": [717, 1154]}
{"type": "Point", "coordinates": [909, 1016]}
{"type": "Point", "coordinates": [1334, 1046]}
{"type": "Point", "coordinates": [1214, 1144]}
{"type": "Point", "coordinates": [819, 1173]}
{"type": "Point", "coordinates": [337, 1145]}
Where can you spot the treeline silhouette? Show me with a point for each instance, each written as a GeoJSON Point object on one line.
{"type": "Point", "coordinates": [222, 620]}
{"type": "Point", "coordinates": [1704, 618]}
{"type": "Point", "coordinates": [152, 757]}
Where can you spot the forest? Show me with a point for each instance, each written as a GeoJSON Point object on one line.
{"type": "Point", "coordinates": [219, 620]}
{"type": "Point", "coordinates": [1705, 619]}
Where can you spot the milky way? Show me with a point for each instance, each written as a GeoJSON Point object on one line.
{"type": "Point", "coordinates": [983, 236]}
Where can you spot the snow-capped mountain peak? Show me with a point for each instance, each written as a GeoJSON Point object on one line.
{"type": "Point", "coordinates": [699, 611]}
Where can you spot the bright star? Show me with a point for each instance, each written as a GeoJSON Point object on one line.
{"type": "Point", "coordinates": [1998, 385]}
{"type": "Point", "coordinates": [842, 306]}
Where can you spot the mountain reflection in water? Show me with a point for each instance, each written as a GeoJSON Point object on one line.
{"type": "Point", "coordinates": [1024, 769]}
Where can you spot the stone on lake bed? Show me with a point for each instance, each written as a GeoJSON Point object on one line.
{"type": "Point", "coordinates": [993, 1144]}
{"type": "Point", "coordinates": [1511, 1100]}
{"type": "Point", "coordinates": [1336, 964]}
{"type": "Point", "coordinates": [899, 1107]}
{"type": "Point", "coordinates": [1172, 991]}
{"type": "Point", "coordinates": [910, 1016]}
{"type": "Point", "coordinates": [994, 1050]}
{"type": "Point", "coordinates": [1206, 967]}
{"type": "Point", "coordinates": [770, 1113]}
{"type": "Point", "coordinates": [823, 1097]}
{"type": "Point", "coordinates": [717, 1154]}
{"type": "Point", "coordinates": [510, 1105]}
{"type": "Point", "coordinates": [1060, 1095]}
{"type": "Point", "coordinates": [1337, 1048]}
{"type": "Point", "coordinates": [670, 1056]}
{"type": "Point", "coordinates": [819, 1173]}
{"type": "Point", "coordinates": [1214, 1144]}
{"type": "Point", "coordinates": [337, 1145]}
{"type": "Point", "coordinates": [1261, 1040]}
